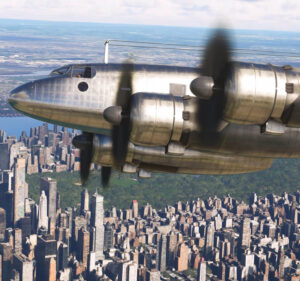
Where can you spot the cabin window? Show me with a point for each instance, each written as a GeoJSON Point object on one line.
{"type": "Point", "coordinates": [83, 72]}
{"type": "Point", "coordinates": [83, 86]}
{"type": "Point", "coordinates": [60, 71]}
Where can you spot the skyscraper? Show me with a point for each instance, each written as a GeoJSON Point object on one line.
{"type": "Point", "coordinates": [50, 188]}
{"type": "Point", "coordinates": [135, 208]}
{"type": "Point", "coordinates": [97, 217]}
{"type": "Point", "coordinates": [152, 275]}
{"type": "Point", "coordinates": [25, 225]}
{"type": "Point", "coordinates": [161, 259]}
{"type": "Point", "coordinates": [2, 224]}
{"type": "Point", "coordinates": [46, 250]}
{"type": "Point", "coordinates": [84, 204]}
{"type": "Point", "coordinates": [18, 240]}
{"type": "Point", "coordinates": [171, 245]}
{"type": "Point", "coordinates": [63, 253]}
{"type": "Point", "coordinates": [24, 266]}
{"type": "Point", "coordinates": [182, 257]}
{"type": "Point", "coordinates": [245, 233]}
{"type": "Point", "coordinates": [209, 239]}
{"type": "Point", "coordinates": [4, 152]}
{"type": "Point", "coordinates": [201, 270]}
{"type": "Point", "coordinates": [281, 262]}
{"type": "Point", "coordinates": [43, 218]}
{"type": "Point", "coordinates": [6, 252]}
{"type": "Point", "coordinates": [108, 236]}
{"type": "Point", "coordinates": [83, 246]}
{"type": "Point", "coordinates": [19, 188]}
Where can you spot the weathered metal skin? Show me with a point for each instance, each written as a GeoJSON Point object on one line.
{"type": "Point", "coordinates": [191, 162]}
{"type": "Point", "coordinates": [255, 93]}
{"type": "Point", "coordinates": [164, 113]}
{"type": "Point", "coordinates": [58, 100]}
{"type": "Point", "coordinates": [247, 140]}
{"type": "Point", "coordinates": [156, 119]}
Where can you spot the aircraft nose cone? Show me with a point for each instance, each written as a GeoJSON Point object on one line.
{"type": "Point", "coordinates": [21, 95]}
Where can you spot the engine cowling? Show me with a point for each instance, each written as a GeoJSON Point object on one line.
{"type": "Point", "coordinates": [256, 93]}
{"type": "Point", "coordinates": [156, 119]}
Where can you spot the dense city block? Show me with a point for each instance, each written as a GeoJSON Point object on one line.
{"type": "Point", "coordinates": [203, 239]}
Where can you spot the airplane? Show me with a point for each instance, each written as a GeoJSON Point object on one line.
{"type": "Point", "coordinates": [225, 117]}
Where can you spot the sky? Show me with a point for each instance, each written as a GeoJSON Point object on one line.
{"type": "Point", "coordinates": [241, 14]}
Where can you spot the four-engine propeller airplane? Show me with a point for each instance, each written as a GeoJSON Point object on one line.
{"type": "Point", "coordinates": [223, 118]}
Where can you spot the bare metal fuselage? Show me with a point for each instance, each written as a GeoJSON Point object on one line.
{"type": "Point", "coordinates": [165, 136]}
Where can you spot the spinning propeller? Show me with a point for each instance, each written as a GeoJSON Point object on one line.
{"type": "Point", "coordinates": [119, 117]}
{"type": "Point", "coordinates": [85, 143]}
{"type": "Point", "coordinates": [209, 87]}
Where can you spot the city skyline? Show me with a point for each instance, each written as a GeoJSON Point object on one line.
{"type": "Point", "coordinates": [197, 240]}
{"type": "Point", "coordinates": [212, 239]}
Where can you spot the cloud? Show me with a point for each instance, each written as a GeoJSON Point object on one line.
{"type": "Point", "coordinates": [246, 14]}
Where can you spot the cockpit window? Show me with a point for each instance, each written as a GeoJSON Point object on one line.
{"type": "Point", "coordinates": [83, 72]}
{"type": "Point", "coordinates": [60, 71]}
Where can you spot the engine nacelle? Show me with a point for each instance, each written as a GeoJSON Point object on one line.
{"type": "Point", "coordinates": [191, 162]}
{"type": "Point", "coordinates": [256, 93]}
{"type": "Point", "coordinates": [156, 119]}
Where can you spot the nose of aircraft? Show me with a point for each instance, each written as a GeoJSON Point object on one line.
{"type": "Point", "coordinates": [21, 95]}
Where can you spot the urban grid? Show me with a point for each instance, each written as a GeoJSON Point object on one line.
{"type": "Point", "coordinates": [211, 239]}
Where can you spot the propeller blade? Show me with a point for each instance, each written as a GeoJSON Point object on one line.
{"type": "Point", "coordinates": [216, 56]}
{"type": "Point", "coordinates": [85, 143]}
{"type": "Point", "coordinates": [215, 67]}
{"type": "Point", "coordinates": [105, 175]}
{"type": "Point", "coordinates": [121, 131]}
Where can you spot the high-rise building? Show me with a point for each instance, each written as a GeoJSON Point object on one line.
{"type": "Point", "coordinates": [2, 224]}
{"type": "Point", "coordinates": [182, 257]}
{"type": "Point", "coordinates": [171, 246]}
{"type": "Point", "coordinates": [135, 208]}
{"type": "Point", "coordinates": [9, 208]}
{"type": "Point", "coordinates": [132, 272]}
{"type": "Point", "coordinates": [161, 258]}
{"type": "Point", "coordinates": [24, 266]}
{"type": "Point", "coordinates": [153, 275]}
{"type": "Point", "coordinates": [50, 269]}
{"type": "Point", "coordinates": [84, 204]}
{"type": "Point", "coordinates": [63, 253]}
{"type": "Point", "coordinates": [65, 137]}
{"type": "Point", "coordinates": [127, 271]}
{"type": "Point", "coordinates": [18, 240]}
{"type": "Point", "coordinates": [46, 250]}
{"type": "Point", "coordinates": [43, 218]}
{"type": "Point", "coordinates": [209, 239]}
{"type": "Point", "coordinates": [6, 252]}
{"type": "Point", "coordinates": [281, 262]}
{"type": "Point", "coordinates": [50, 188]}
{"type": "Point", "coordinates": [25, 225]}
{"type": "Point", "coordinates": [83, 246]}
{"type": "Point", "coordinates": [50, 140]}
{"type": "Point", "coordinates": [2, 136]}
{"type": "Point", "coordinates": [97, 217]}
{"type": "Point", "coordinates": [108, 236]}
{"type": "Point", "coordinates": [201, 270]}
{"type": "Point", "coordinates": [4, 160]}
{"type": "Point", "coordinates": [19, 186]}
{"type": "Point", "coordinates": [245, 233]}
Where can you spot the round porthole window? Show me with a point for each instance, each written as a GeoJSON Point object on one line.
{"type": "Point", "coordinates": [83, 86]}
